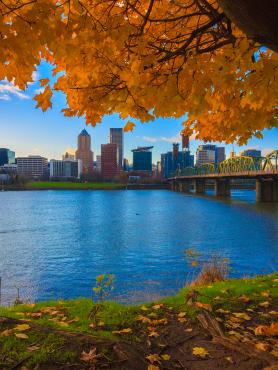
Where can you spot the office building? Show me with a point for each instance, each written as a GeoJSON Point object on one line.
{"type": "Point", "coordinates": [6, 156]}
{"type": "Point", "coordinates": [32, 166]}
{"type": "Point", "coordinates": [142, 159]}
{"type": "Point", "coordinates": [220, 155]}
{"type": "Point", "coordinates": [67, 169]}
{"type": "Point", "coordinates": [84, 153]}
{"type": "Point", "coordinates": [175, 160]}
{"type": "Point", "coordinates": [251, 153]}
{"type": "Point", "coordinates": [117, 137]}
{"type": "Point", "coordinates": [209, 154]}
{"type": "Point", "coordinates": [109, 161]}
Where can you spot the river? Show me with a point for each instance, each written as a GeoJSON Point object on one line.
{"type": "Point", "coordinates": [53, 244]}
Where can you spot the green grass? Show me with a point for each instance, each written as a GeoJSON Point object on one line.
{"type": "Point", "coordinates": [113, 316]}
{"type": "Point", "coordinates": [73, 185]}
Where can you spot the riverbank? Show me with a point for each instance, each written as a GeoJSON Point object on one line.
{"type": "Point", "coordinates": [53, 185]}
{"type": "Point", "coordinates": [227, 325]}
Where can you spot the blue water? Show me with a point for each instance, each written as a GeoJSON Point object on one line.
{"type": "Point", "coordinates": [54, 243]}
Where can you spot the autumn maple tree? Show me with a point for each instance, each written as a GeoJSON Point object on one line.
{"type": "Point", "coordinates": [146, 59]}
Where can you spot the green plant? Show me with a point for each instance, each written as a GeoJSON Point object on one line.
{"type": "Point", "coordinates": [104, 286]}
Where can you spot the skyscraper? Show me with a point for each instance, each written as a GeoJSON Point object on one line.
{"type": "Point", "coordinates": [109, 161]}
{"type": "Point", "coordinates": [117, 137]}
{"type": "Point", "coordinates": [84, 152]}
{"type": "Point", "coordinates": [175, 160]}
{"type": "Point", "coordinates": [6, 156]}
{"type": "Point", "coordinates": [142, 159]}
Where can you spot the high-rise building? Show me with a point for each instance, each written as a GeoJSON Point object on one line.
{"type": "Point", "coordinates": [117, 137]}
{"type": "Point", "coordinates": [68, 168]}
{"type": "Point", "coordinates": [109, 161]}
{"type": "Point", "coordinates": [6, 156]}
{"type": "Point", "coordinates": [220, 154]}
{"type": "Point", "coordinates": [142, 159]}
{"type": "Point", "coordinates": [84, 152]}
{"type": "Point", "coordinates": [251, 153]}
{"type": "Point", "coordinates": [184, 141]}
{"type": "Point", "coordinates": [32, 166]}
{"type": "Point", "coordinates": [175, 160]}
{"type": "Point", "coordinates": [205, 154]}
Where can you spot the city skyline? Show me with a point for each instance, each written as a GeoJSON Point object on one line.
{"type": "Point", "coordinates": [29, 131]}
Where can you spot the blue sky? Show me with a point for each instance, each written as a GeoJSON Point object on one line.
{"type": "Point", "coordinates": [29, 131]}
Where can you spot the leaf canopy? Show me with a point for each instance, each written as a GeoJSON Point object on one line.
{"type": "Point", "coordinates": [143, 60]}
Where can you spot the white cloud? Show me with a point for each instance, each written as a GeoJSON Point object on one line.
{"type": "Point", "coordinates": [10, 89]}
{"type": "Point", "coordinates": [39, 91]}
{"type": "Point", "coordinates": [5, 97]}
{"type": "Point", "coordinates": [171, 139]}
{"type": "Point", "coordinates": [266, 151]}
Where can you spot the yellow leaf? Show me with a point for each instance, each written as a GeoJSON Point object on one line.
{"type": "Point", "coordinates": [157, 306]}
{"type": "Point", "coordinates": [274, 353]}
{"type": "Point", "coordinates": [90, 356]}
{"type": "Point", "coordinates": [22, 327]}
{"type": "Point", "coordinates": [200, 351]}
{"type": "Point", "coordinates": [123, 331]}
{"type": "Point", "coordinates": [153, 367]}
{"type": "Point", "coordinates": [129, 126]}
{"type": "Point", "coordinates": [181, 314]}
{"type": "Point", "coordinates": [265, 294]}
{"type": "Point", "coordinates": [242, 315]}
{"type": "Point", "coordinates": [44, 99]}
{"type": "Point", "coordinates": [143, 308]}
{"type": "Point", "coordinates": [188, 330]}
{"type": "Point", "coordinates": [166, 357]}
{"type": "Point", "coordinates": [153, 358]}
{"type": "Point", "coordinates": [264, 304]}
{"type": "Point", "coordinates": [205, 306]}
{"type": "Point", "coordinates": [6, 333]}
{"type": "Point", "coordinates": [62, 323]}
{"type": "Point", "coordinates": [21, 336]}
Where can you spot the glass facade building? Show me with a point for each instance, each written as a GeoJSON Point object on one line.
{"type": "Point", "coordinates": [7, 156]}
{"type": "Point", "coordinates": [142, 159]}
{"type": "Point", "coordinates": [175, 160]}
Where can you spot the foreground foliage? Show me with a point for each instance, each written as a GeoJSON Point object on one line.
{"type": "Point", "coordinates": [143, 60]}
{"type": "Point", "coordinates": [157, 335]}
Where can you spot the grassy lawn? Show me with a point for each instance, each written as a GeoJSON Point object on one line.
{"type": "Point", "coordinates": [240, 306]}
{"type": "Point", "coordinates": [72, 185]}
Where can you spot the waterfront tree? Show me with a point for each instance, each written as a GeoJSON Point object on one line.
{"type": "Point", "coordinates": [149, 58]}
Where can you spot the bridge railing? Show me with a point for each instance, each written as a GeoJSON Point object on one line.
{"type": "Point", "coordinates": [233, 165]}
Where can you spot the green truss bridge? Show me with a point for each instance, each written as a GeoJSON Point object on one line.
{"type": "Point", "coordinates": [262, 169]}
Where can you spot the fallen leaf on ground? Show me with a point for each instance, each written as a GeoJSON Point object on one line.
{"type": "Point", "coordinates": [265, 294]}
{"type": "Point", "coordinates": [188, 330]}
{"type": "Point", "coordinates": [7, 332]}
{"type": "Point", "coordinates": [262, 346]}
{"type": "Point", "coordinates": [205, 306]}
{"type": "Point", "coordinates": [153, 367]}
{"type": "Point", "coordinates": [220, 310]}
{"type": "Point", "coordinates": [153, 333]}
{"type": "Point", "coordinates": [21, 336]}
{"type": "Point", "coordinates": [22, 327]}
{"type": "Point", "coordinates": [33, 348]}
{"type": "Point", "coordinates": [123, 331]}
{"type": "Point", "coordinates": [264, 304]}
{"type": "Point", "coordinates": [182, 319]}
{"type": "Point", "coordinates": [143, 319]}
{"type": "Point", "coordinates": [90, 356]}
{"type": "Point", "coordinates": [200, 351]}
{"type": "Point", "coordinates": [157, 306]}
{"type": "Point", "coordinates": [153, 358]}
{"type": "Point", "coordinates": [273, 312]}
{"type": "Point", "coordinates": [271, 330]}
{"type": "Point", "coordinates": [62, 323]}
{"type": "Point", "coordinates": [244, 298]}
{"type": "Point", "coordinates": [181, 314]}
{"type": "Point", "coordinates": [166, 357]}
{"type": "Point", "coordinates": [242, 315]}
{"type": "Point", "coordinates": [229, 359]}
{"type": "Point", "coordinates": [274, 353]}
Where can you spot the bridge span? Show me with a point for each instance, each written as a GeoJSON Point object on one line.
{"type": "Point", "coordinates": [263, 170]}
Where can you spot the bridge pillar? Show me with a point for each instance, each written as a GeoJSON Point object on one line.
{"type": "Point", "coordinates": [186, 186]}
{"type": "Point", "coordinates": [200, 186]}
{"type": "Point", "coordinates": [222, 187]}
{"type": "Point", "coordinates": [267, 190]}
